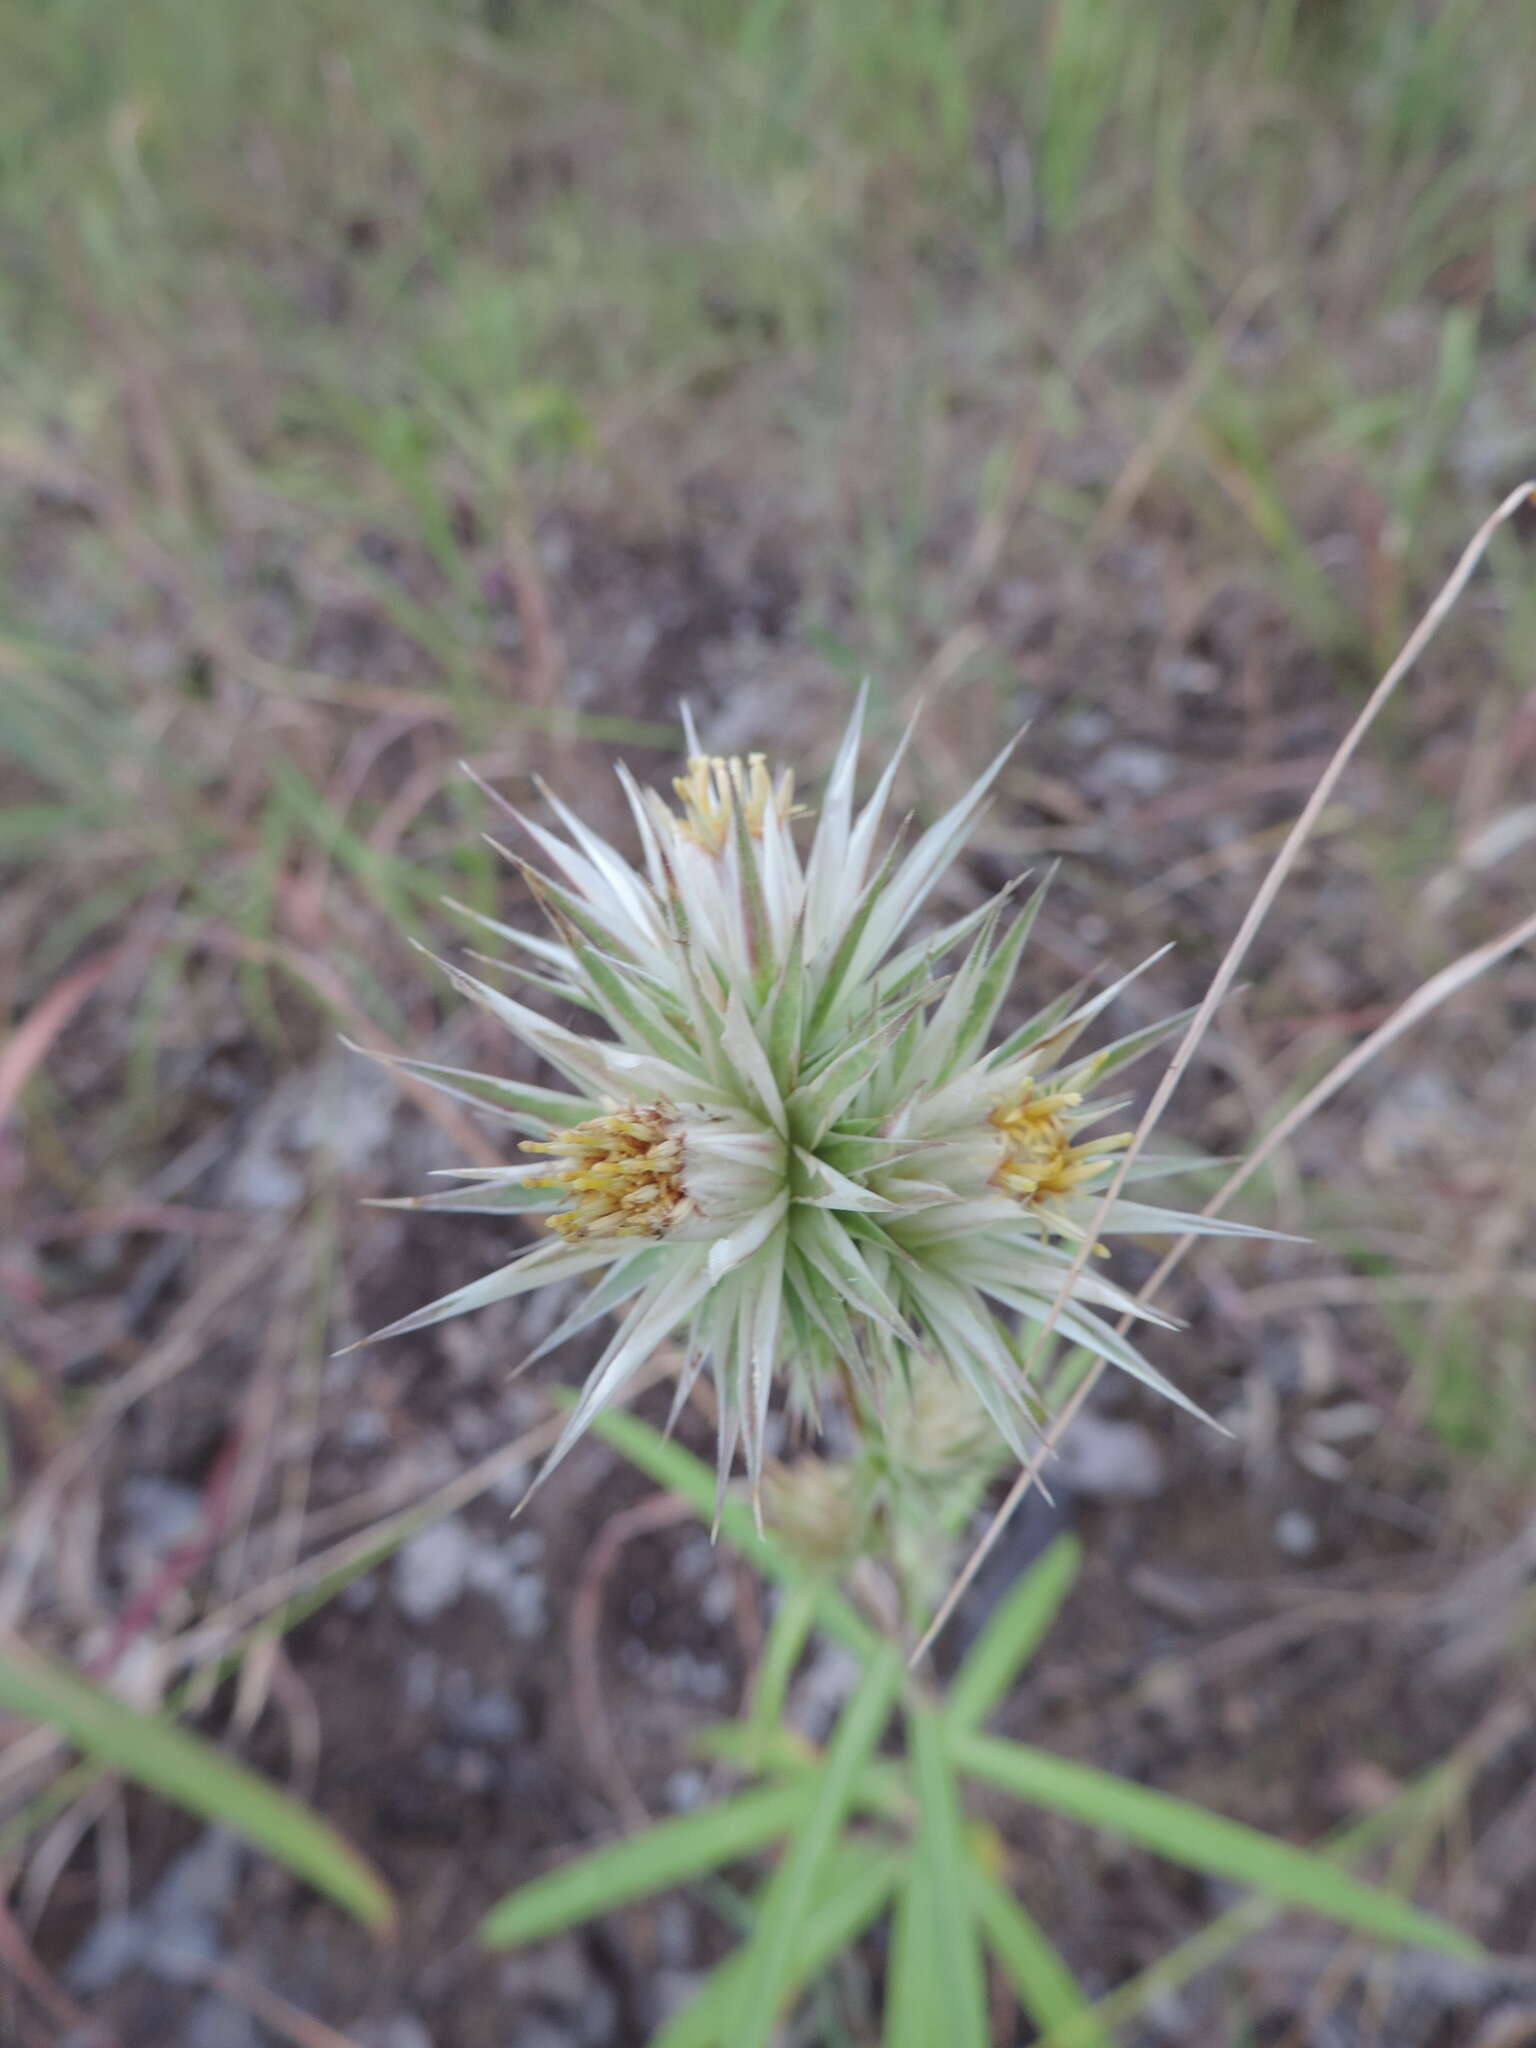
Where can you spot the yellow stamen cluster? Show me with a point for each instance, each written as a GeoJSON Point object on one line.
{"type": "Point", "coordinates": [1040, 1162]}
{"type": "Point", "coordinates": [713, 787]}
{"type": "Point", "coordinates": [624, 1174]}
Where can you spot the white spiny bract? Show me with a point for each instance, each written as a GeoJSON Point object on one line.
{"type": "Point", "coordinates": [787, 1133]}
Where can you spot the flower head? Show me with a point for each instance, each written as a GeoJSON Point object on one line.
{"type": "Point", "coordinates": [787, 1132]}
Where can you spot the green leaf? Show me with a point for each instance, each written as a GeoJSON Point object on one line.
{"type": "Point", "coordinates": [1046, 1988]}
{"type": "Point", "coordinates": [531, 1108]}
{"type": "Point", "coordinates": [940, 1849]}
{"type": "Point", "coordinates": [780, 1024]}
{"type": "Point", "coordinates": [668, 1854]}
{"type": "Point", "coordinates": [1039, 1026]}
{"type": "Point", "coordinates": [994, 985]}
{"type": "Point", "coordinates": [1202, 1841]}
{"type": "Point", "coordinates": [819, 1100]}
{"type": "Point", "coordinates": [782, 1651]}
{"type": "Point", "coordinates": [624, 998]}
{"type": "Point", "coordinates": [680, 1472]}
{"type": "Point", "coordinates": [856, 1880]}
{"type": "Point", "coordinates": [1012, 1634]}
{"type": "Point", "coordinates": [756, 1751]}
{"type": "Point", "coordinates": [835, 971]}
{"type": "Point", "coordinates": [1422, 1803]}
{"type": "Point", "coordinates": [759, 936]}
{"type": "Point", "coordinates": [185, 1768]}
{"type": "Point", "coordinates": [883, 1790]}
{"type": "Point", "coordinates": [1087, 1074]}
{"type": "Point", "coordinates": [914, 1977]}
{"type": "Point", "coordinates": [767, 1966]}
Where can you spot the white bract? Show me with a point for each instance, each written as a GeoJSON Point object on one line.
{"type": "Point", "coordinates": [787, 1133]}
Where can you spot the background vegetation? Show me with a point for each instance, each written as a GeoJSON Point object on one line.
{"type": "Point", "coordinates": [383, 386]}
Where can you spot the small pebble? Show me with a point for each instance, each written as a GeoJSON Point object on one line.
{"type": "Point", "coordinates": [1107, 1460]}
{"type": "Point", "coordinates": [360, 1595]}
{"type": "Point", "coordinates": [214, 2024]}
{"type": "Point", "coordinates": [432, 1570]}
{"type": "Point", "coordinates": [160, 1513]}
{"type": "Point", "coordinates": [114, 1946]}
{"type": "Point", "coordinates": [686, 1789]}
{"type": "Point", "coordinates": [1295, 1533]}
{"type": "Point", "coordinates": [421, 1676]}
{"type": "Point", "coordinates": [1126, 768]}
{"type": "Point", "coordinates": [364, 1429]}
{"type": "Point", "coordinates": [402, 2030]}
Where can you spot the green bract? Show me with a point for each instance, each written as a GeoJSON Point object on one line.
{"type": "Point", "coordinates": [786, 1131]}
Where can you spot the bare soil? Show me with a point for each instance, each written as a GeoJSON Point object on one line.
{"type": "Point", "coordinates": [1296, 1619]}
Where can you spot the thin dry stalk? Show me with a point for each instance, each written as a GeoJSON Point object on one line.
{"type": "Point", "coordinates": [216, 1633]}
{"type": "Point", "coordinates": [1221, 982]}
{"type": "Point", "coordinates": [286, 2021]}
{"type": "Point", "coordinates": [1350, 1290]}
{"type": "Point", "coordinates": [26, 1047]}
{"type": "Point", "coordinates": [1429, 996]}
{"type": "Point", "coordinates": [1145, 461]}
{"type": "Point", "coordinates": [17, 1959]}
{"type": "Point", "coordinates": [656, 1511]}
{"type": "Point", "coordinates": [1434, 992]}
{"type": "Point", "coordinates": [35, 1527]}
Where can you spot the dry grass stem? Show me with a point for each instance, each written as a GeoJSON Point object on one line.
{"type": "Point", "coordinates": [1221, 982]}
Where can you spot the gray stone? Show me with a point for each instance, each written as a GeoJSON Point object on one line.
{"type": "Point", "coordinates": [510, 1573]}
{"type": "Point", "coordinates": [1107, 1460]}
{"type": "Point", "coordinates": [1295, 1533]}
{"type": "Point", "coordinates": [260, 1180]}
{"type": "Point", "coordinates": [818, 1693]}
{"type": "Point", "coordinates": [686, 1789]}
{"type": "Point", "coordinates": [185, 1953]}
{"type": "Point", "coordinates": [1130, 769]}
{"type": "Point", "coordinates": [115, 1945]}
{"type": "Point", "coordinates": [360, 1596]}
{"type": "Point", "coordinates": [509, 1489]}
{"type": "Point", "coordinates": [212, 2023]}
{"type": "Point", "coordinates": [717, 1601]}
{"type": "Point", "coordinates": [401, 2030]}
{"type": "Point", "coordinates": [159, 1513]}
{"type": "Point", "coordinates": [176, 1933]}
{"type": "Point", "coordinates": [349, 1111]}
{"type": "Point", "coordinates": [422, 1676]}
{"type": "Point", "coordinates": [676, 1941]}
{"type": "Point", "coordinates": [554, 2000]}
{"type": "Point", "coordinates": [201, 1880]}
{"type": "Point", "coordinates": [1188, 676]}
{"type": "Point", "coordinates": [489, 1717]}
{"type": "Point", "coordinates": [364, 1429]}
{"type": "Point", "coordinates": [432, 1570]}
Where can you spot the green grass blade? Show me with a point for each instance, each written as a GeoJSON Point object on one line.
{"type": "Point", "coordinates": [668, 1854]}
{"type": "Point", "coordinates": [856, 1880]}
{"type": "Point", "coordinates": [680, 1472]}
{"type": "Point", "coordinates": [941, 1849]}
{"type": "Point", "coordinates": [914, 2010]}
{"type": "Point", "coordinates": [787, 1634]}
{"type": "Point", "coordinates": [1422, 1803]}
{"type": "Point", "coordinates": [1013, 1634]}
{"type": "Point", "coordinates": [184, 1768]}
{"type": "Point", "coordinates": [1045, 1987]}
{"type": "Point", "coordinates": [1202, 1841]}
{"type": "Point", "coordinates": [767, 1967]}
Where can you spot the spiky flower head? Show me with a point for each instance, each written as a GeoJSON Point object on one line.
{"type": "Point", "coordinates": [786, 1131]}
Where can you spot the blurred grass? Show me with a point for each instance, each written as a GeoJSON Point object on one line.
{"type": "Point", "coordinates": [312, 316]}
{"type": "Point", "coordinates": [309, 315]}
